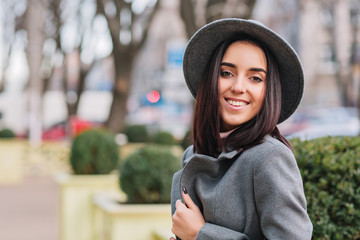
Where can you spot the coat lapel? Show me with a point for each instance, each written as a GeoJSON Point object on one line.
{"type": "Point", "coordinates": [200, 175]}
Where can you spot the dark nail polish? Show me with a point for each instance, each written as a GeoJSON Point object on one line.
{"type": "Point", "coordinates": [184, 190]}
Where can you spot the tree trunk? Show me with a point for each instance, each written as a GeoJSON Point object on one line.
{"type": "Point", "coordinates": [123, 65]}
{"type": "Point", "coordinates": [214, 9]}
{"type": "Point", "coordinates": [187, 14]}
{"type": "Point", "coordinates": [124, 58]}
{"type": "Point", "coordinates": [80, 86]}
{"type": "Point", "coordinates": [118, 110]}
{"type": "Point", "coordinates": [36, 37]}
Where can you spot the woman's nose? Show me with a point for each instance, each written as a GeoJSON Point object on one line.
{"type": "Point", "coordinates": [239, 85]}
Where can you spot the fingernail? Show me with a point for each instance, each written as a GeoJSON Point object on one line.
{"type": "Point", "coordinates": [184, 190]}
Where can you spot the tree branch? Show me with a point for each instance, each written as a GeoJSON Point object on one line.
{"type": "Point", "coordinates": [187, 13]}
{"type": "Point", "coordinates": [147, 27]}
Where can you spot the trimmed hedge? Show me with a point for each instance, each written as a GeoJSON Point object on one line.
{"type": "Point", "coordinates": [146, 174]}
{"type": "Point", "coordinates": [164, 138]}
{"type": "Point", "coordinates": [94, 152]}
{"type": "Point", "coordinates": [7, 133]}
{"type": "Point", "coordinates": [330, 168]}
{"type": "Point", "coordinates": [137, 133]}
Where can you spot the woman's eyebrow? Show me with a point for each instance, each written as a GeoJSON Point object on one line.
{"type": "Point", "coordinates": [257, 70]}
{"type": "Point", "coordinates": [227, 64]}
{"type": "Point", "coordinates": [251, 69]}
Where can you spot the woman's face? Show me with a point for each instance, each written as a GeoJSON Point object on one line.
{"type": "Point", "coordinates": [241, 83]}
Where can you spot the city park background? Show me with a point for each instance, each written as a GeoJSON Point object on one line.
{"type": "Point", "coordinates": [68, 66]}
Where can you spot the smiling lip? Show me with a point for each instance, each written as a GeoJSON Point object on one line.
{"type": "Point", "coordinates": [236, 102]}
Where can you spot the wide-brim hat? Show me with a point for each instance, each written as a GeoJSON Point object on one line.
{"type": "Point", "coordinates": [203, 43]}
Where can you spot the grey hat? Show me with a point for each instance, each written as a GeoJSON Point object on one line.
{"type": "Point", "coordinates": [202, 44]}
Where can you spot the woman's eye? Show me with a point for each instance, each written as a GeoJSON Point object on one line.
{"type": "Point", "coordinates": [256, 79]}
{"type": "Point", "coordinates": [225, 74]}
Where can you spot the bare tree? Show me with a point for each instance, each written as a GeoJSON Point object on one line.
{"type": "Point", "coordinates": [44, 21]}
{"type": "Point", "coordinates": [36, 37]}
{"type": "Point", "coordinates": [61, 11]}
{"type": "Point", "coordinates": [196, 13]}
{"type": "Point", "coordinates": [128, 31]}
{"type": "Point", "coordinates": [12, 19]}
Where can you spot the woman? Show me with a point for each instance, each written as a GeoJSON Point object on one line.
{"type": "Point", "coordinates": [240, 179]}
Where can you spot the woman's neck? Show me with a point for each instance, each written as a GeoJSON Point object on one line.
{"type": "Point", "coordinates": [224, 135]}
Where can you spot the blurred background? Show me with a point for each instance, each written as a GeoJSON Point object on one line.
{"type": "Point", "coordinates": [71, 65]}
{"type": "Point", "coordinates": [66, 64]}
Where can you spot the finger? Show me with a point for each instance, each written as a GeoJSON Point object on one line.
{"type": "Point", "coordinates": [179, 204]}
{"type": "Point", "coordinates": [188, 201]}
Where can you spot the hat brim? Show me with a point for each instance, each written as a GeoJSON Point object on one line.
{"type": "Point", "coordinates": [202, 44]}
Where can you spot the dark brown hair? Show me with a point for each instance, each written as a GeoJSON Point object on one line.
{"type": "Point", "coordinates": [207, 118]}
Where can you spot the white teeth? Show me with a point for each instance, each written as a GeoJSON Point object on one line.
{"type": "Point", "coordinates": [236, 103]}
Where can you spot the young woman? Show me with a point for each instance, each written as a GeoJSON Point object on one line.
{"type": "Point", "coordinates": [240, 179]}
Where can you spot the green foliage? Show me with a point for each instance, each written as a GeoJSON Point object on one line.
{"type": "Point", "coordinates": [137, 133]}
{"type": "Point", "coordinates": [165, 138]}
{"type": "Point", "coordinates": [6, 133]}
{"type": "Point", "coordinates": [330, 168]}
{"type": "Point", "coordinates": [94, 152]}
{"type": "Point", "coordinates": [147, 173]}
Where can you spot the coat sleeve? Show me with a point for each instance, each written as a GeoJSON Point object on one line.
{"type": "Point", "coordinates": [214, 232]}
{"type": "Point", "coordinates": [279, 196]}
{"type": "Point", "coordinates": [175, 193]}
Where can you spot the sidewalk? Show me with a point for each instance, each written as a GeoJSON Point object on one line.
{"type": "Point", "coordinates": [29, 210]}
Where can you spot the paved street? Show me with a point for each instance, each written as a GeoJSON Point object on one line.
{"type": "Point", "coordinates": [29, 210]}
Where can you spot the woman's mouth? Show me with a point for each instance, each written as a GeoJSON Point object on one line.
{"type": "Point", "coordinates": [237, 103]}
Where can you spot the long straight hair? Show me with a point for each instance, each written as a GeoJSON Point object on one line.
{"type": "Point", "coordinates": [207, 118]}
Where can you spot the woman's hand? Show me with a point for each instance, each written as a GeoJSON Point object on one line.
{"type": "Point", "coordinates": [187, 221]}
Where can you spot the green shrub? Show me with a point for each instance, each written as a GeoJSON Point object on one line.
{"type": "Point", "coordinates": [146, 175]}
{"type": "Point", "coordinates": [163, 137]}
{"type": "Point", "coordinates": [137, 133]}
{"type": "Point", "coordinates": [6, 133]}
{"type": "Point", "coordinates": [330, 168]}
{"type": "Point", "coordinates": [94, 152]}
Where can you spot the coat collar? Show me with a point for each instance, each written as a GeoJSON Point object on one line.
{"type": "Point", "coordinates": [229, 155]}
{"type": "Point", "coordinates": [202, 168]}
{"type": "Point", "coordinates": [223, 156]}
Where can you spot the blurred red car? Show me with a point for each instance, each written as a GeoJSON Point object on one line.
{"type": "Point", "coordinates": [59, 132]}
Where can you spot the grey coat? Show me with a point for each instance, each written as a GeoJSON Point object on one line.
{"type": "Point", "coordinates": [254, 194]}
